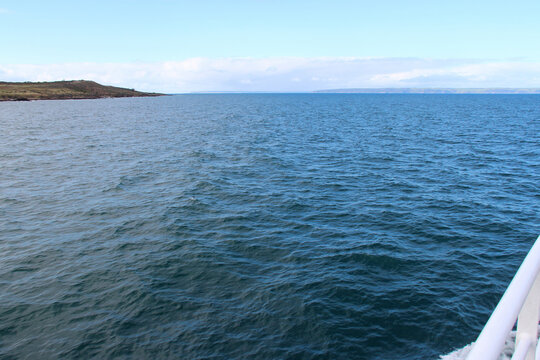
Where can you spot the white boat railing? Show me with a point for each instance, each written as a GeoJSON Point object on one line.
{"type": "Point", "coordinates": [520, 301]}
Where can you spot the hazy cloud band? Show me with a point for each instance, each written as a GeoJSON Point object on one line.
{"type": "Point", "coordinates": [286, 73]}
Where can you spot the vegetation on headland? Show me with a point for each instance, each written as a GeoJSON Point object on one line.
{"type": "Point", "coordinates": [59, 90]}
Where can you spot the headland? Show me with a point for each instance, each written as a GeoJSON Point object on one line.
{"type": "Point", "coordinates": [61, 90]}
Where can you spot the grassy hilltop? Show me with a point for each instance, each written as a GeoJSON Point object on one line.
{"type": "Point", "coordinates": [75, 89]}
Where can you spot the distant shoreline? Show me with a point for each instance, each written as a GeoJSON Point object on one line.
{"type": "Point", "coordinates": [64, 90]}
{"type": "Point", "coordinates": [432, 91]}
{"type": "Point", "coordinates": [86, 89]}
{"type": "Point", "coordinates": [383, 91]}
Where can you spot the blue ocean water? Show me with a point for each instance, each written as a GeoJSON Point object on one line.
{"type": "Point", "coordinates": [298, 226]}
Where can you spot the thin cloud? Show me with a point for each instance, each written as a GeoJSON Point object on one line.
{"type": "Point", "coordinates": [4, 11]}
{"type": "Point", "coordinates": [287, 73]}
{"type": "Point", "coordinates": [488, 74]}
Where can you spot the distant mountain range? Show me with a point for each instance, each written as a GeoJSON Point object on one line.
{"type": "Point", "coordinates": [433, 91]}
{"type": "Point", "coordinates": [56, 90]}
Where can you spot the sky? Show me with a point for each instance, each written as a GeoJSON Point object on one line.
{"type": "Point", "coordinates": [272, 45]}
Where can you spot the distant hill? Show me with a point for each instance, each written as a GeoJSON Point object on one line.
{"type": "Point", "coordinates": [56, 90]}
{"type": "Point", "coordinates": [434, 91]}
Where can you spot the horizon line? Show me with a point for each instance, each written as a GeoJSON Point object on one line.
{"type": "Point", "coordinates": [387, 90]}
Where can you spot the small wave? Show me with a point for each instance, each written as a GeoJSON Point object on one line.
{"type": "Point", "coordinates": [506, 353]}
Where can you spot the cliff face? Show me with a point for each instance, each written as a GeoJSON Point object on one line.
{"type": "Point", "coordinates": [75, 89]}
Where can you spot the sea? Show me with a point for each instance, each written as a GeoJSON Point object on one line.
{"type": "Point", "coordinates": [262, 226]}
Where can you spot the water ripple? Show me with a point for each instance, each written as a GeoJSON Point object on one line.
{"type": "Point", "coordinates": [262, 226]}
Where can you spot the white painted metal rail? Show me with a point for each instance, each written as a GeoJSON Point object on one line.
{"type": "Point", "coordinates": [520, 301]}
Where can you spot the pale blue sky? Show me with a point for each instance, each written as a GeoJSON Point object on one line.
{"type": "Point", "coordinates": [52, 32]}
